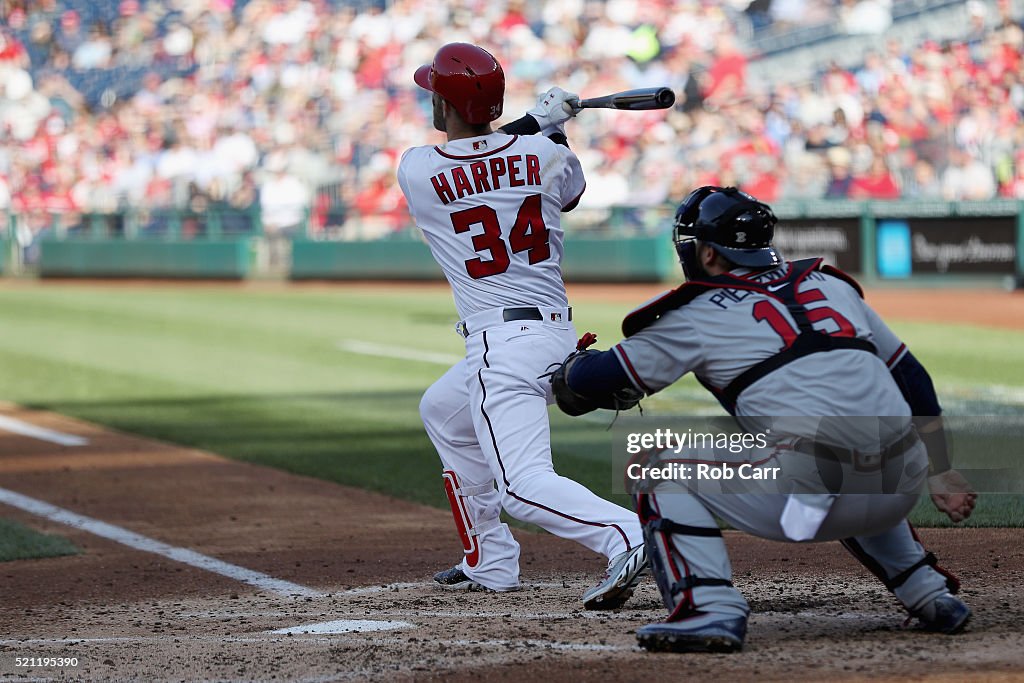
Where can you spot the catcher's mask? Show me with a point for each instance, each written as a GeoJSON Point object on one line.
{"type": "Point", "coordinates": [469, 78]}
{"type": "Point", "coordinates": [732, 222]}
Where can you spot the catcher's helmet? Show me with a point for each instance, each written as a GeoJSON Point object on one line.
{"type": "Point", "coordinates": [469, 78]}
{"type": "Point", "coordinates": [732, 222]}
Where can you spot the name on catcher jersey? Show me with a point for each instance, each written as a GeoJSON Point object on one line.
{"type": "Point", "coordinates": [723, 332]}
{"type": "Point", "coordinates": [490, 209]}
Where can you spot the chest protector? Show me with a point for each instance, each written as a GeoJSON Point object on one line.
{"type": "Point", "coordinates": [782, 289]}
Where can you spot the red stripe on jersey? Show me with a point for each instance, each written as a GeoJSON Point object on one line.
{"type": "Point", "coordinates": [477, 156]}
{"type": "Point", "coordinates": [632, 371]}
{"type": "Point", "coordinates": [896, 356]}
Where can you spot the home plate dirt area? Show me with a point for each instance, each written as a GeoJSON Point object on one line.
{"type": "Point", "coordinates": [199, 568]}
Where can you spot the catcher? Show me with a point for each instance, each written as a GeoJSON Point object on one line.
{"type": "Point", "coordinates": [774, 338]}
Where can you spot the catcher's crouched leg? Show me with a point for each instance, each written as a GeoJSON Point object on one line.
{"type": "Point", "coordinates": [689, 562]}
{"type": "Point", "coordinates": [899, 560]}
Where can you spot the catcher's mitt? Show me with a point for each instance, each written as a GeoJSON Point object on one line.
{"type": "Point", "coordinates": [573, 403]}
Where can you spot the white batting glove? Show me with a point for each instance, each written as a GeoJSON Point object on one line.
{"type": "Point", "coordinates": [554, 108]}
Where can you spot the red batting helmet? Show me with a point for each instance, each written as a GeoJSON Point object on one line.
{"type": "Point", "coordinates": [469, 78]}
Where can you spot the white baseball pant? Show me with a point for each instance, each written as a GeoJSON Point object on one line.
{"type": "Point", "coordinates": [488, 419]}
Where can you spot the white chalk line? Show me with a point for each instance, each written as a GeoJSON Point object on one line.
{"type": "Point", "coordinates": [397, 352]}
{"type": "Point", "coordinates": [15, 426]}
{"type": "Point", "coordinates": [139, 542]}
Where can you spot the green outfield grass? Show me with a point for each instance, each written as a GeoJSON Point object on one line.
{"type": "Point", "coordinates": [261, 375]}
{"type": "Point", "coordinates": [18, 542]}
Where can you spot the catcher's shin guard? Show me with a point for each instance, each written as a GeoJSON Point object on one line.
{"type": "Point", "coordinates": [900, 562]}
{"type": "Point", "coordinates": [688, 557]}
{"type": "Point", "coordinates": [467, 527]}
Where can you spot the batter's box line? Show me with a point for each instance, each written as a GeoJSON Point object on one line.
{"type": "Point", "coordinates": [111, 532]}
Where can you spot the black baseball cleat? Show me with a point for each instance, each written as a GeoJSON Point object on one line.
{"type": "Point", "coordinates": [455, 579]}
{"type": "Point", "coordinates": [624, 571]}
{"type": "Point", "coordinates": [721, 635]}
{"type": "Point", "coordinates": [945, 614]}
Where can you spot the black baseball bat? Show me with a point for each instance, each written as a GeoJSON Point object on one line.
{"type": "Point", "coordinates": [633, 100]}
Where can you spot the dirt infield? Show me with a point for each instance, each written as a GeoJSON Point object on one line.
{"type": "Point", "coordinates": [128, 614]}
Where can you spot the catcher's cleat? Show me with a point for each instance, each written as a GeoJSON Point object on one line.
{"type": "Point", "coordinates": [945, 614]}
{"type": "Point", "coordinates": [619, 580]}
{"type": "Point", "coordinates": [708, 634]}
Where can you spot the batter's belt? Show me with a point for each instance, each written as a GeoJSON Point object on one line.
{"type": "Point", "coordinates": [480, 321]}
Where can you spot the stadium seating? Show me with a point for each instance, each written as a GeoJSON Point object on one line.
{"type": "Point", "coordinates": [189, 104]}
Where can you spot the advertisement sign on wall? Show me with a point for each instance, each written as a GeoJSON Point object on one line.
{"type": "Point", "coordinates": [963, 245]}
{"type": "Point", "coordinates": [894, 249]}
{"type": "Point", "coordinates": [982, 245]}
{"type": "Point", "coordinates": [837, 240]}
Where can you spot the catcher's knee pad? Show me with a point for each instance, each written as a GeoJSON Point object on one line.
{"type": "Point", "coordinates": [704, 567]}
{"type": "Point", "coordinates": [465, 524]}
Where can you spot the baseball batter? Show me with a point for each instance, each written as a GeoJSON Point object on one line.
{"type": "Point", "coordinates": [489, 205]}
{"type": "Point", "coordinates": [775, 338]}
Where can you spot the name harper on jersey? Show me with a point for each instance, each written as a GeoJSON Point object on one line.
{"type": "Point", "coordinates": [486, 175]}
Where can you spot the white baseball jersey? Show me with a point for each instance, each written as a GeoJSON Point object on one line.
{"type": "Point", "coordinates": [490, 208]}
{"type": "Point", "coordinates": [723, 332]}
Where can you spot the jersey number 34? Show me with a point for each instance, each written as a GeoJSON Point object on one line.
{"type": "Point", "coordinates": [528, 234]}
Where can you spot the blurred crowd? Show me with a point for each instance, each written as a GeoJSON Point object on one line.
{"type": "Point", "coordinates": [301, 108]}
